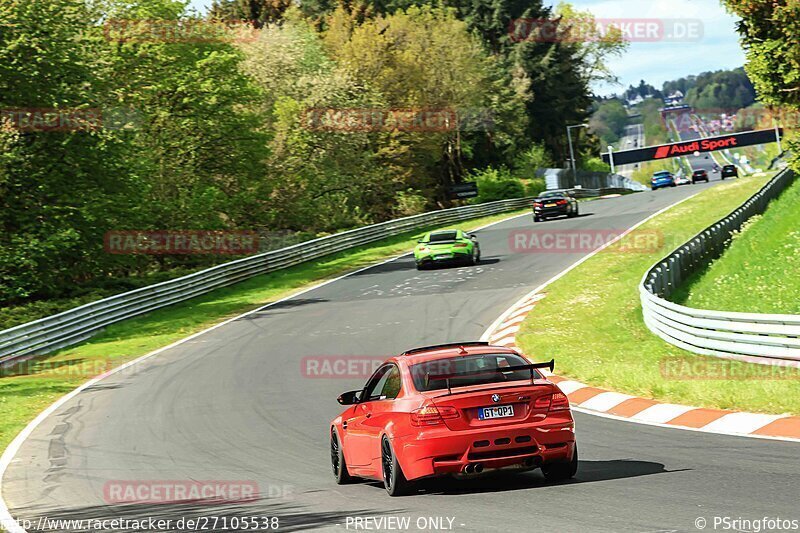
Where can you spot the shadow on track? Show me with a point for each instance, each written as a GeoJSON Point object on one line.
{"type": "Point", "coordinates": [588, 472]}
{"type": "Point", "coordinates": [407, 263]}
{"type": "Point", "coordinates": [556, 219]}
{"type": "Point", "coordinates": [286, 304]}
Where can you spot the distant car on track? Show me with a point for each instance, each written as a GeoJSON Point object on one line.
{"type": "Point", "coordinates": [661, 179]}
{"type": "Point", "coordinates": [682, 180]}
{"type": "Point", "coordinates": [459, 409]}
{"type": "Point", "coordinates": [553, 204]}
{"type": "Point", "coordinates": [729, 171]}
{"type": "Point", "coordinates": [700, 175]}
{"type": "Point", "coordinates": [447, 246]}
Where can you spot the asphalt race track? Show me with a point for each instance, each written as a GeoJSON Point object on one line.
{"type": "Point", "coordinates": [234, 404]}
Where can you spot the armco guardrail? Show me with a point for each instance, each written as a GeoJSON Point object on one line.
{"type": "Point", "coordinates": [73, 326]}
{"type": "Point", "coordinates": [750, 337]}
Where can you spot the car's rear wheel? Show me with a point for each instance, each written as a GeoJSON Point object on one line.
{"type": "Point", "coordinates": [537, 219]}
{"type": "Point", "coordinates": [562, 471]}
{"type": "Point", "coordinates": [573, 213]}
{"type": "Point", "coordinates": [393, 479]}
{"type": "Point", "coordinates": [337, 461]}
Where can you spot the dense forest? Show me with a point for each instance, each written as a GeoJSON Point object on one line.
{"type": "Point", "coordinates": [142, 115]}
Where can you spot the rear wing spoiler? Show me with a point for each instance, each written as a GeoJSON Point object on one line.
{"type": "Point", "coordinates": [500, 370]}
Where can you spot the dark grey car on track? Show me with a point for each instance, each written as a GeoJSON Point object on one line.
{"type": "Point", "coordinates": [553, 204]}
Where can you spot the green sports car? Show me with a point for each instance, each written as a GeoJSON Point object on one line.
{"type": "Point", "coordinates": [447, 246]}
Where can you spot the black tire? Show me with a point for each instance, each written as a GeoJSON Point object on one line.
{"type": "Point", "coordinates": [338, 464]}
{"type": "Point", "coordinates": [394, 481]}
{"type": "Point", "coordinates": [556, 472]}
{"type": "Point", "coordinates": [573, 214]}
{"type": "Point", "coordinates": [652, 188]}
{"type": "Point", "coordinates": [537, 219]}
{"type": "Point", "coordinates": [673, 185]}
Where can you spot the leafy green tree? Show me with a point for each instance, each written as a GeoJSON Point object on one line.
{"type": "Point", "coordinates": [769, 32]}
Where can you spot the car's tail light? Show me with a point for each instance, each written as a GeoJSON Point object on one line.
{"type": "Point", "coordinates": [460, 245]}
{"type": "Point", "coordinates": [537, 204]}
{"type": "Point", "coordinates": [424, 249]}
{"type": "Point", "coordinates": [542, 402]}
{"type": "Point", "coordinates": [430, 415]}
{"type": "Point", "coordinates": [559, 402]}
{"type": "Point", "coordinates": [561, 202]}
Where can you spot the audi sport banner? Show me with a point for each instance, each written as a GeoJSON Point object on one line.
{"type": "Point", "coordinates": [683, 148]}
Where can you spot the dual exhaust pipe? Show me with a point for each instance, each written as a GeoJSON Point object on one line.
{"type": "Point", "coordinates": [475, 468]}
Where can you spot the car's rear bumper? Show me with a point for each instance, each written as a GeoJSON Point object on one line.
{"type": "Point", "coordinates": [551, 211]}
{"type": "Point", "coordinates": [461, 254]}
{"type": "Point", "coordinates": [660, 185]}
{"type": "Point", "coordinates": [436, 452]}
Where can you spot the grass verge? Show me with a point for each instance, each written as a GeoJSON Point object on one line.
{"type": "Point", "coordinates": [29, 387]}
{"type": "Point", "coordinates": [757, 273]}
{"type": "Point", "coordinates": [591, 323]}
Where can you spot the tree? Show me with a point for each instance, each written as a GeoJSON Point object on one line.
{"type": "Point", "coordinates": [256, 12]}
{"type": "Point", "coordinates": [769, 33]}
{"type": "Point", "coordinates": [425, 59]}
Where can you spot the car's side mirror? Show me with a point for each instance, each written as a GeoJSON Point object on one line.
{"type": "Point", "coordinates": [349, 398]}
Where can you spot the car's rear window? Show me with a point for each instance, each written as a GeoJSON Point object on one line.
{"type": "Point", "coordinates": [443, 236]}
{"type": "Point", "coordinates": [469, 370]}
{"type": "Point", "coordinates": [552, 194]}
{"type": "Point", "coordinates": [662, 174]}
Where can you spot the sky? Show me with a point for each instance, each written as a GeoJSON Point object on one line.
{"type": "Point", "coordinates": [713, 46]}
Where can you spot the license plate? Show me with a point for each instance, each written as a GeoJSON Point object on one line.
{"type": "Point", "coordinates": [549, 205]}
{"type": "Point", "coordinates": [443, 256]}
{"type": "Point", "coordinates": [501, 411]}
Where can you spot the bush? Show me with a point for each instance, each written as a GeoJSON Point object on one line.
{"type": "Point", "coordinates": [532, 160]}
{"type": "Point", "coordinates": [535, 187]}
{"type": "Point", "coordinates": [595, 164]}
{"type": "Point", "coordinates": [409, 202]}
{"type": "Point", "coordinates": [496, 184]}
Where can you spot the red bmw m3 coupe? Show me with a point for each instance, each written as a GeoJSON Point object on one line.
{"type": "Point", "coordinates": [460, 409]}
